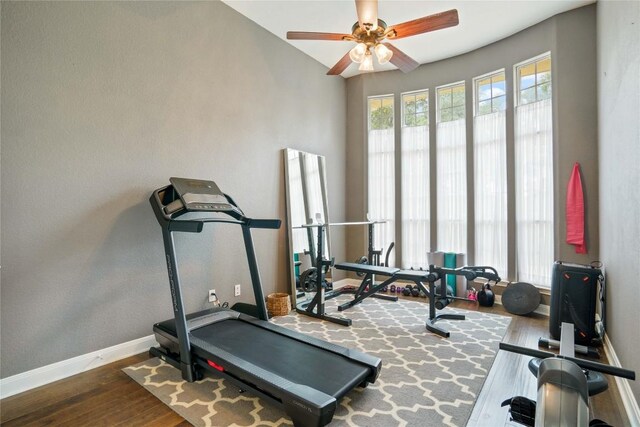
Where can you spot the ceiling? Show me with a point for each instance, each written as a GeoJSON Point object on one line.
{"type": "Point", "coordinates": [481, 23]}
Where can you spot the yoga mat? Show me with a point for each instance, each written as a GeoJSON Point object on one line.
{"type": "Point", "coordinates": [450, 262]}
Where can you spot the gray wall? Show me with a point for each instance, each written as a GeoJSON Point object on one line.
{"type": "Point", "coordinates": [619, 158]}
{"type": "Point", "coordinates": [570, 37]}
{"type": "Point", "coordinates": [101, 104]}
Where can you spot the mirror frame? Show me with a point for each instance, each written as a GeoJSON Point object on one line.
{"type": "Point", "coordinates": [323, 188]}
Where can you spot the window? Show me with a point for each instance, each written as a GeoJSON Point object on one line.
{"type": "Point", "coordinates": [451, 172]}
{"type": "Point", "coordinates": [451, 103]}
{"type": "Point", "coordinates": [415, 179]}
{"type": "Point", "coordinates": [381, 170]}
{"type": "Point", "coordinates": [490, 94]}
{"type": "Point", "coordinates": [490, 171]}
{"type": "Point", "coordinates": [534, 171]}
{"type": "Point", "coordinates": [534, 81]}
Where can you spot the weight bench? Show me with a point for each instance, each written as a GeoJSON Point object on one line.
{"type": "Point", "coordinates": [369, 272]}
{"type": "Point", "coordinates": [436, 300]}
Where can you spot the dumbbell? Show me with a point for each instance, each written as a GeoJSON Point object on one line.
{"type": "Point", "coordinates": [415, 292]}
{"type": "Point", "coordinates": [392, 289]}
{"type": "Point", "coordinates": [407, 290]}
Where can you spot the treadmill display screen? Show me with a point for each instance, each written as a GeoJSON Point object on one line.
{"type": "Point", "coordinates": [200, 195]}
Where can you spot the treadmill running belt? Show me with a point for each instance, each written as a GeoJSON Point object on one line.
{"type": "Point", "coordinates": [291, 359]}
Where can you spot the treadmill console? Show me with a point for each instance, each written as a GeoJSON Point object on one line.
{"type": "Point", "coordinates": [200, 195]}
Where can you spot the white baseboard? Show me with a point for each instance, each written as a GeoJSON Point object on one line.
{"type": "Point", "coordinates": [66, 368]}
{"type": "Point", "coordinates": [628, 399]}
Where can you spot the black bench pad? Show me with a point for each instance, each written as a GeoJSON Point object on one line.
{"type": "Point", "coordinates": [367, 269]}
{"type": "Point", "coordinates": [419, 275]}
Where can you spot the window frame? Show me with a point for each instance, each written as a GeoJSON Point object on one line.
{"type": "Point", "coordinates": [517, 80]}
{"type": "Point", "coordinates": [450, 86]}
{"type": "Point", "coordinates": [381, 98]}
{"type": "Point", "coordinates": [476, 95]}
{"type": "Point", "coordinates": [413, 93]}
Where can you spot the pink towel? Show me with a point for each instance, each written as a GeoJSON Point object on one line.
{"type": "Point", "coordinates": [575, 211]}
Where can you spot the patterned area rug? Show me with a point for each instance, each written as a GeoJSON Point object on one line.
{"type": "Point", "coordinates": [425, 380]}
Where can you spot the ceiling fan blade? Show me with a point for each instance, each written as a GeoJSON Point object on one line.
{"type": "Point", "coordinates": [367, 13]}
{"type": "Point", "coordinates": [434, 22]}
{"type": "Point", "coordinates": [401, 60]}
{"type": "Point", "coordinates": [305, 35]}
{"type": "Point", "coordinates": [340, 66]}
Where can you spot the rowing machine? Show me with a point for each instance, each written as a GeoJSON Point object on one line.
{"type": "Point", "coordinates": [564, 385]}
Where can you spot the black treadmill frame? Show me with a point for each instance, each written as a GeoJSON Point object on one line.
{"type": "Point", "coordinates": [312, 408]}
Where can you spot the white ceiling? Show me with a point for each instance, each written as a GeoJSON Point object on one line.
{"type": "Point", "coordinates": [481, 23]}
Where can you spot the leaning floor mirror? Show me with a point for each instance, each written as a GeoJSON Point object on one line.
{"type": "Point", "coordinates": [306, 195]}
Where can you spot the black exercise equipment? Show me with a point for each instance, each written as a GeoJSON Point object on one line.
{"type": "Point", "coordinates": [520, 298]}
{"type": "Point", "coordinates": [574, 290]}
{"type": "Point", "coordinates": [250, 352]}
{"type": "Point", "coordinates": [443, 302]}
{"type": "Point", "coordinates": [582, 349]}
{"type": "Point", "coordinates": [436, 300]}
{"type": "Point", "coordinates": [362, 260]}
{"type": "Point", "coordinates": [564, 385]}
{"type": "Point", "coordinates": [309, 280]}
{"type": "Point", "coordinates": [316, 306]}
{"type": "Point", "coordinates": [485, 297]}
{"type": "Point", "coordinates": [368, 287]}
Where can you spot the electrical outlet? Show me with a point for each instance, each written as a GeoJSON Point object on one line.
{"type": "Point", "coordinates": [212, 295]}
{"type": "Point", "coordinates": [236, 291]}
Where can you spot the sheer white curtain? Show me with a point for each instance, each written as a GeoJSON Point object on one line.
{"type": "Point", "coordinates": [490, 170]}
{"type": "Point", "coordinates": [315, 201]}
{"type": "Point", "coordinates": [415, 196]}
{"type": "Point", "coordinates": [451, 172]}
{"type": "Point", "coordinates": [314, 189]}
{"type": "Point", "coordinates": [381, 187]}
{"type": "Point", "coordinates": [534, 192]}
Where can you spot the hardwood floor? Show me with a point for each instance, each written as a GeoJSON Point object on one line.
{"type": "Point", "coordinates": [107, 396]}
{"type": "Point", "coordinates": [510, 376]}
{"type": "Point", "coordinates": [103, 396]}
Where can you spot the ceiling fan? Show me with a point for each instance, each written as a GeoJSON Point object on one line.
{"type": "Point", "coordinates": [370, 32]}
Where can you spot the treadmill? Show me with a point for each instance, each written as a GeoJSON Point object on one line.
{"type": "Point", "coordinates": [252, 353]}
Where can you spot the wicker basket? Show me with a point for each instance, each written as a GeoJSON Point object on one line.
{"type": "Point", "coordinates": [278, 304]}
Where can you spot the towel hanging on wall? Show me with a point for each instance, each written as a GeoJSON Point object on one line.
{"type": "Point", "coordinates": [575, 211]}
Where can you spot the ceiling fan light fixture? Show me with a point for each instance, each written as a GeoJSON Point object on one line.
{"type": "Point", "coordinates": [369, 27]}
{"type": "Point", "coordinates": [367, 62]}
{"type": "Point", "coordinates": [358, 53]}
{"type": "Point", "coordinates": [383, 53]}
{"type": "Point", "coordinates": [368, 32]}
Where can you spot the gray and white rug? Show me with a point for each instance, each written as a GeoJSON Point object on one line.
{"type": "Point", "coordinates": [425, 380]}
